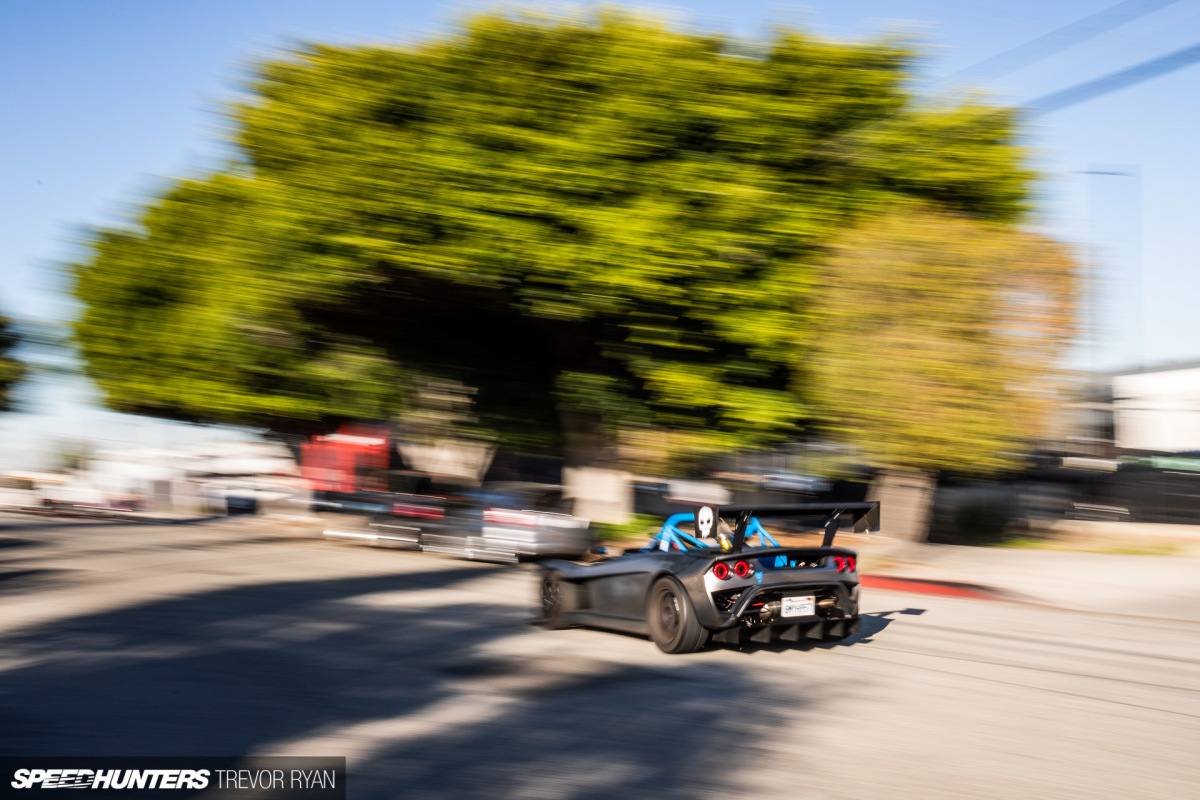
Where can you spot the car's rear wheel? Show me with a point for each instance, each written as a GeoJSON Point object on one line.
{"type": "Point", "coordinates": [672, 620]}
{"type": "Point", "coordinates": [554, 601]}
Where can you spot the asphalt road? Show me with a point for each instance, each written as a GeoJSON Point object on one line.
{"type": "Point", "coordinates": [227, 639]}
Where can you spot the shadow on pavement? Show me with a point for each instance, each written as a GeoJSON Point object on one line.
{"type": "Point", "coordinates": [22, 580]}
{"type": "Point", "coordinates": [34, 524]}
{"type": "Point", "coordinates": [8, 542]}
{"type": "Point", "coordinates": [874, 622]}
{"type": "Point", "coordinates": [51, 522]}
{"type": "Point", "coordinates": [391, 669]}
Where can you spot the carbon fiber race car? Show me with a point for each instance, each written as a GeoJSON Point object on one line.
{"type": "Point", "coordinates": [684, 589]}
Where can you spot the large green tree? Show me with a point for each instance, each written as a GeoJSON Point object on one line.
{"type": "Point", "coordinates": [596, 220]}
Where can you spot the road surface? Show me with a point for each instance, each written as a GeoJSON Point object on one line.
{"type": "Point", "coordinates": [228, 639]}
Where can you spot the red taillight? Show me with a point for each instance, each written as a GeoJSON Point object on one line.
{"type": "Point", "coordinates": [840, 563]}
{"type": "Point", "coordinates": [851, 564]}
{"type": "Point", "coordinates": [419, 512]}
{"type": "Point", "coordinates": [742, 569]}
{"type": "Point", "coordinates": [721, 571]}
{"type": "Point", "coordinates": [500, 516]}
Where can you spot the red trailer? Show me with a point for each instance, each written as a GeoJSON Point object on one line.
{"type": "Point", "coordinates": [353, 459]}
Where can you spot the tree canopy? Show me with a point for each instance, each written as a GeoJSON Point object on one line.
{"type": "Point", "coordinates": [941, 338]}
{"type": "Point", "coordinates": [595, 220]}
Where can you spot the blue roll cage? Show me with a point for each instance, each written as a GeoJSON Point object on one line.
{"type": "Point", "coordinates": [670, 535]}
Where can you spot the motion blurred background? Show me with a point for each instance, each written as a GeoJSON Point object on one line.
{"type": "Point", "coordinates": [511, 282]}
{"type": "Point", "coordinates": [873, 246]}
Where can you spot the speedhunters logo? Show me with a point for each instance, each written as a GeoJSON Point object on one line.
{"type": "Point", "coordinates": [258, 777]}
{"type": "Point", "coordinates": [111, 779]}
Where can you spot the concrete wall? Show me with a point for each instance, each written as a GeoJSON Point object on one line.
{"type": "Point", "coordinates": [599, 495]}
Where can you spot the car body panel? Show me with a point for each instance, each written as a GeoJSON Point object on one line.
{"type": "Point", "coordinates": [508, 523]}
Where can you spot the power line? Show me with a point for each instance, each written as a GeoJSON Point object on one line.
{"type": "Point", "coordinates": [1060, 39]}
{"type": "Point", "coordinates": [1111, 83]}
{"type": "Point", "coordinates": [1075, 94]}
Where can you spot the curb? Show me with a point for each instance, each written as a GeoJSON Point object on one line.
{"type": "Point", "coordinates": [974, 591]}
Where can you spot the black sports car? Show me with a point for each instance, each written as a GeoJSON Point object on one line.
{"type": "Point", "coordinates": [685, 589]}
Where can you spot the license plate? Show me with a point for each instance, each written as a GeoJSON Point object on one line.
{"type": "Point", "coordinates": [799, 606]}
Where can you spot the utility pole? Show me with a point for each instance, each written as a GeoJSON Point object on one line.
{"type": "Point", "coordinates": [1136, 310]}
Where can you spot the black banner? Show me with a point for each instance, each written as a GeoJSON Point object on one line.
{"type": "Point", "coordinates": [259, 777]}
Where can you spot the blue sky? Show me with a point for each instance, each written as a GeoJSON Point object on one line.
{"type": "Point", "coordinates": [102, 101]}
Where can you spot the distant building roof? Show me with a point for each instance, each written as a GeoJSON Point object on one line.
{"type": "Point", "coordinates": [1171, 366]}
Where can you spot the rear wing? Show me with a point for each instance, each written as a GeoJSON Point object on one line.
{"type": "Point", "coordinates": [864, 517]}
{"type": "Point", "coordinates": [706, 520]}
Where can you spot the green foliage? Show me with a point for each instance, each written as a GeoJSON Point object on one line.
{"type": "Point", "coordinates": [596, 218]}
{"type": "Point", "coordinates": [11, 370]}
{"type": "Point", "coordinates": [940, 339]}
{"type": "Point", "coordinates": [191, 319]}
{"type": "Point", "coordinates": [983, 522]}
{"type": "Point", "coordinates": [639, 526]}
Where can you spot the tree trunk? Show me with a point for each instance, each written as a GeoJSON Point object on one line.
{"type": "Point", "coordinates": [586, 442]}
{"type": "Point", "coordinates": [905, 501]}
{"type": "Point", "coordinates": [592, 478]}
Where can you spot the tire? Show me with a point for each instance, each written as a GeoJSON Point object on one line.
{"type": "Point", "coordinates": [553, 600]}
{"type": "Point", "coordinates": [671, 619]}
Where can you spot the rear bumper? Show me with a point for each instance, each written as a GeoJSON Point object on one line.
{"type": "Point", "coordinates": [534, 542]}
{"type": "Point", "coordinates": [744, 612]}
{"type": "Point", "coordinates": [788, 631]}
{"type": "Point", "coordinates": [507, 545]}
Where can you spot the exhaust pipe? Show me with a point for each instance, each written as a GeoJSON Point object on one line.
{"type": "Point", "coordinates": [770, 611]}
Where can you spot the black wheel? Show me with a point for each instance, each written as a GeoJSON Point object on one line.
{"type": "Point", "coordinates": [554, 602]}
{"type": "Point", "coordinates": [672, 620]}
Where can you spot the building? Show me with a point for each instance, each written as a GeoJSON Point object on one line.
{"type": "Point", "coordinates": [1157, 409]}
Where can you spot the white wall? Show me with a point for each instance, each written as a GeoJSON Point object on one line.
{"type": "Point", "coordinates": [1158, 410]}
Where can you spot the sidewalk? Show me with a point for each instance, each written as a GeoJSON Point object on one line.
{"type": "Point", "coordinates": [1163, 587]}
